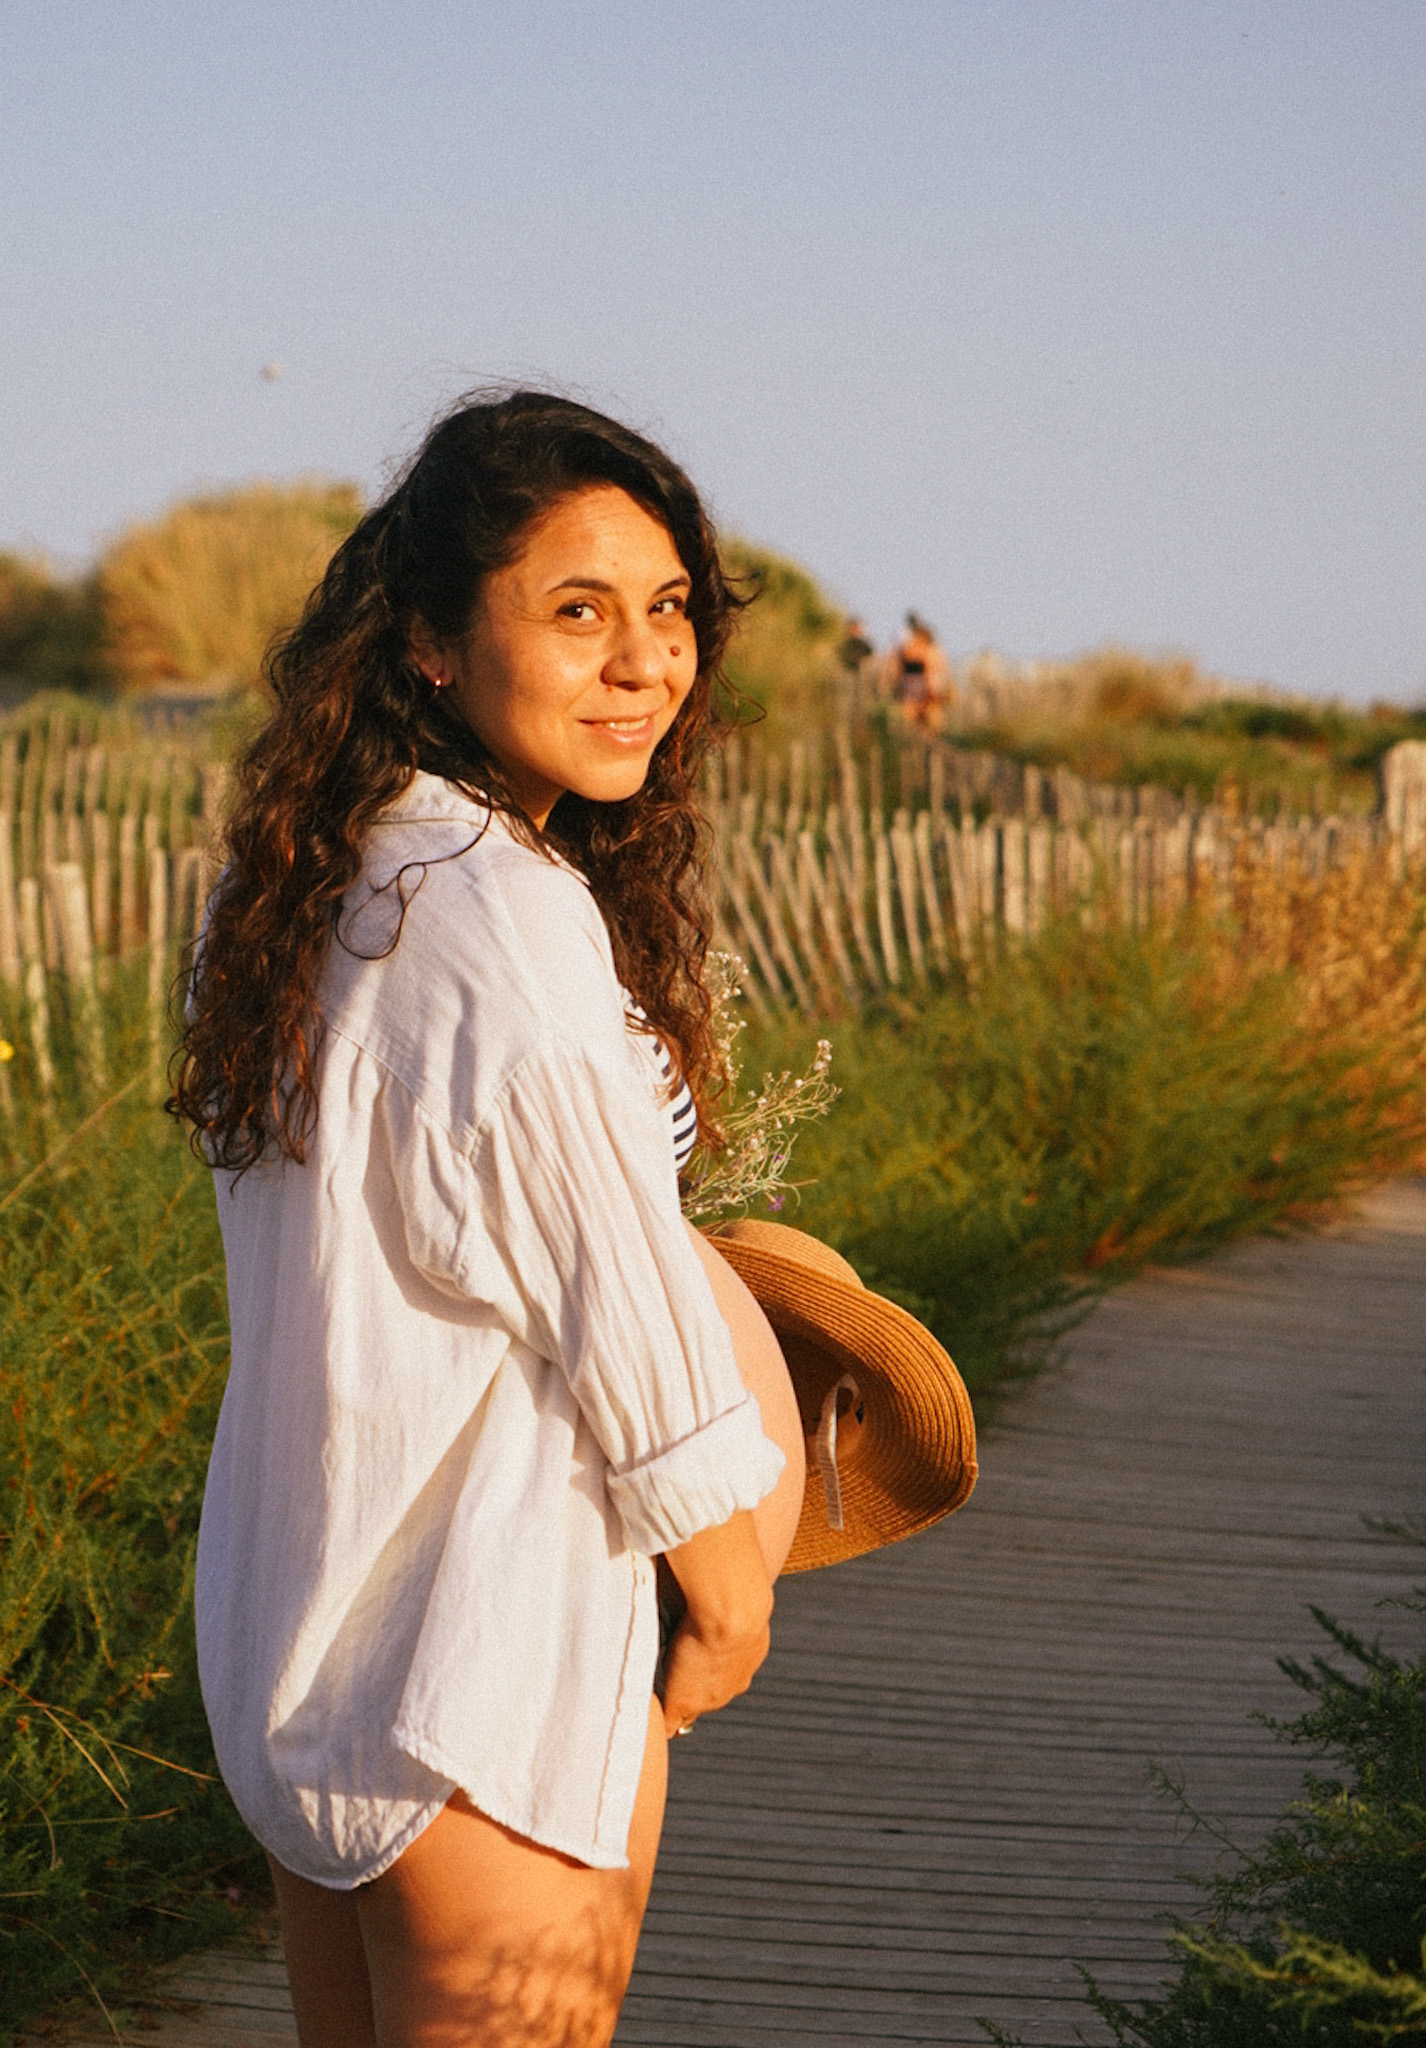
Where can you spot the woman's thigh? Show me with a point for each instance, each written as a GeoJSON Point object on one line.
{"type": "Point", "coordinates": [476, 1935]}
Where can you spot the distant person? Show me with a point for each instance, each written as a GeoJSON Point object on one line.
{"type": "Point", "coordinates": [856, 650]}
{"type": "Point", "coordinates": [919, 675]}
{"type": "Point", "coordinates": [856, 658]}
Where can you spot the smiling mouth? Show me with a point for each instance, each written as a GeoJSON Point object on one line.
{"type": "Point", "coordinates": [623, 728]}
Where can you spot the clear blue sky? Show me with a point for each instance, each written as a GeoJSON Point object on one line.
{"type": "Point", "coordinates": [1062, 320]}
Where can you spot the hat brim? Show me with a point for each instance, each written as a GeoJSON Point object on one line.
{"type": "Point", "coordinates": [908, 1458]}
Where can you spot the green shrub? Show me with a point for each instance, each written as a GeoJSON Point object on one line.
{"type": "Point", "coordinates": [1116, 716]}
{"type": "Point", "coordinates": [1319, 1936]}
{"type": "Point", "coordinates": [49, 628]}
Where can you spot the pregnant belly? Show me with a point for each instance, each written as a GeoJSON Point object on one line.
{"type": "Point", "coordinates": [764, 1371]}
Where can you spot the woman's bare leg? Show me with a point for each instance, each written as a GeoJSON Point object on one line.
{"type": "Point", "coordinates": [326, 1963]}
{"type": "Point", "coordinates": [474, 1936]}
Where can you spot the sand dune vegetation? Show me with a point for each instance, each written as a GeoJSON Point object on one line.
{"type": "Point", "coordinates": [195, 598]}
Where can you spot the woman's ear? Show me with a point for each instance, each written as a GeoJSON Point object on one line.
{"type": "Point", "coordinates": [429, 655]}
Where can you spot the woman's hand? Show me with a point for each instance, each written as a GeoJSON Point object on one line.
{"type": "Point", "coordinates": [724, 1636]}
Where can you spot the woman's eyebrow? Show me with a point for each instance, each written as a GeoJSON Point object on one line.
{"type": "Point", "coordinates": [683, 582]}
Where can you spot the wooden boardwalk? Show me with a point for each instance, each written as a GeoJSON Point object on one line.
{"type": "Point", "coordinates": [937, 1798]}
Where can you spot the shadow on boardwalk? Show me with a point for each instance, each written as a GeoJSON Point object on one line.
{"type": "Point", "coordinates": [937, 1797]}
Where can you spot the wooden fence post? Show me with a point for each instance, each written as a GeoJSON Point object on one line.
{"type": "Point", "coordinates": [765, 901]}
{"type": "Point", "coordinates": [37, 1008]}
{"type": "Point", "coordinates": [1039, 874]}
{"type": "Point", "coordinates": [1403, 782]}
{"type": "Point", "coordinates": [903, 855]}
{"type": "Point", "coordinates": [101, 882]}
{"type": "Point", "coordinates": [1012, 868]}
{"type": "Point", "coordinates": [886, 930]}
{"type": "Point", "coordinates": [29, 799]}
{"type": "Point", "coordinates": [158, 965]}
{"type": "Point", "coordinates": [959, 851]}
{"type": "Point", "coordinates": [130, 930]}
{"type": "Point", "coordinates": [753, 941]}
{"type": "Point", "coordinates": [926, 869]}
{"type": "Point", "coordinates": [822, 888]}
{"type": "Point", "coordinates": [71, 916]}
{"type": "Point", "coordinates": [785, 885]}
{"type": "Point", "coordinates": [9, 925]}
{"type": "Point", "coordinates": [852, 882]}
{"type": "Point", "coordinates": [987, 880]}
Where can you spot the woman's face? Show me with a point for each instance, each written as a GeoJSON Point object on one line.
{"type": "Point", "coordinates": [580, 654]}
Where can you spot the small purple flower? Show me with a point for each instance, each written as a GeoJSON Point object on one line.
{"type": "Point", "coordinates": [776, 1201]}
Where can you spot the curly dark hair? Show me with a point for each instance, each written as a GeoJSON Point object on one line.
{"type": "Point", "coordinates": [353, 721]}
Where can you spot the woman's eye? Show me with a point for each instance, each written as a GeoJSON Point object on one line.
{"type": "Point", "coordinates": [578, 608]}
{"type": "Point", "coordinates": [670, 607]}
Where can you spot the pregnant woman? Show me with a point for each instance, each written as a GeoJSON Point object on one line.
{"type": "Point", "coordinates": [447, 1045]}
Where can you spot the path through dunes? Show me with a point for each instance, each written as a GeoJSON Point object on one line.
{"type": "Point", "coordinates": [937, 1798]}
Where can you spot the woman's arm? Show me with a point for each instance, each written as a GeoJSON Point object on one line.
{"type": "Point", "coordinates": [724, 1636]}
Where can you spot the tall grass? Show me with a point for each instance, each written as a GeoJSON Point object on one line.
{"type": "Point", "coordinates": [116, 1842]}
{"type": "Point", "coordinates": [1106, 1097]}
{"type": "Point", "coordinates": [784, 652]}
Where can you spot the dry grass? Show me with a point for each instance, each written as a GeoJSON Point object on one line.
{"type": "Point", "coordinates": [1118, 716]}
{"type": "Point", "coordinates": [1100, 1097]}
{"type": "Point", "coordinates": [196, 597]}
{"type": "Point", "coordinates": [1351, 947]}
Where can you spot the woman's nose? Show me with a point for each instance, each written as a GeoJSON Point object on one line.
{"type": "Point", "coordinates": [638, 657]}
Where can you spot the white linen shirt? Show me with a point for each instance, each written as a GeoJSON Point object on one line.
{"type": "Point", "coordinates": [478, 1380]}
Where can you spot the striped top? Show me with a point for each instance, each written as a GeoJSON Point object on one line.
{"type": "Point", "coordinates": [682, 1110]}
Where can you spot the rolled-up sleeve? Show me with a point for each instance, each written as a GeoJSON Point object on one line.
{"type": "Point", "coordinates": [578, 1192]}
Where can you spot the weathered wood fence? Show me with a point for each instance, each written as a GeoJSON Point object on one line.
{"type": "Point", "coordinates": [835, 878]}
{"type": "Point", "coordinates": [105, 855]}
{"type": "Point", "coordinates": [829, 894]}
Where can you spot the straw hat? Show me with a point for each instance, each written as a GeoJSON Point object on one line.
{"type": "Point", "coordinates": [890, 1434]}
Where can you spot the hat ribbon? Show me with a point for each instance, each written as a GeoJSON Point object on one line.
{"type": "Point", "coordinates": [827, 1448]}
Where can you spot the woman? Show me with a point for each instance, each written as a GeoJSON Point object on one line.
{"type": "Point", "coordinates": [919, 676]}
{"type": "Point", "coordinates": [448, 1022]}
